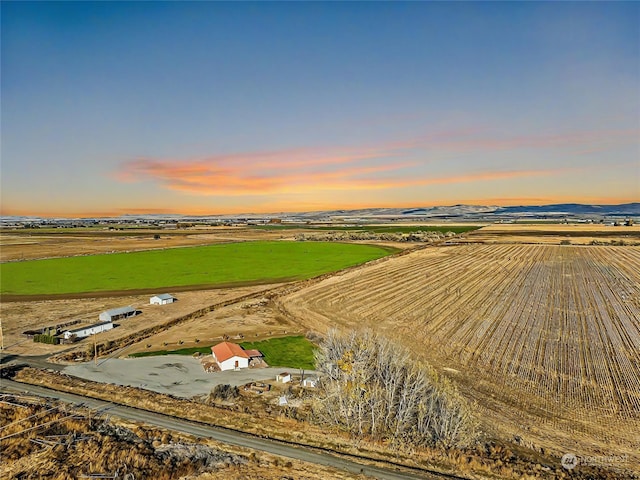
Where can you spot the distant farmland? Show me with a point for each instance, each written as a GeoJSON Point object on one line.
{"type": "Point", "coordinates": [457, 229]}
{"type": "Point", "coordinates": [211, 265]}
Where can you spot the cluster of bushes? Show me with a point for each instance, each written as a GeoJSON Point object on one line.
{"type": "Point", "coordinates": [42, 338]}
{"type": "Point", "coordinates": [417, 236]}
{"type": "Point", "coordinates": [223, 393]}
{"type": "Point", "coordinates": [371, 387]}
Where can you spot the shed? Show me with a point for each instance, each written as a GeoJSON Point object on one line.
{"type": "Point", "coordinates": [311, 382]}
{"type": "Point", "coordinates": [117, 314]}
{"type": "Point", "coordinates": [88, 330]}
{"type": "Point", "coordinates": [162, 299]}
{"type": "Point", "coordinates": [283, 377]}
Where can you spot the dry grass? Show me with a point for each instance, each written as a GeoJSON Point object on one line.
{"type": "Point", "coordinates": [80, 445]}
{"type": "Point", "coordinates": [553, 234]}
{"type": "Point", "coordinates": [19, 245]}
{"type": "Point", "coordinates": [20, 316]}
{"type": "Point", "coordinates": [261, 416]}
{"type": "Point", "coordinates": [543, 337]}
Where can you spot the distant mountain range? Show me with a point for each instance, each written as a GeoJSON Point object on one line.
{"type": "Point", "coordinates": [575, 209]}
{"type": "Point", "coordinates": [454, 212]}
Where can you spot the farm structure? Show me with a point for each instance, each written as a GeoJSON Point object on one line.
{"type": "Point", "coordinates": [547, 329]}
{"type": "Point", "coordinates": [118, 314]}
{"type": "Point", "coordinates": [283, 377]}
{"type": "Point", "coordinates": [310, 382]}
{"type": "Point", "coordinates": [231, 356]}
{"type": "Point", "coordinates": [162, 299]}
{"type": "Point", "coordinates": [88, 330]}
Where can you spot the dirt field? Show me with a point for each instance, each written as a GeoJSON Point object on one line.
{"type": "Point", "coordinates": [20, 316]}
{"type": "Point", "coordinates": [17, 245]}
{"type": "Point", "coordinates": [544, 338]}
{"type": "Point", "coordinates": [552, 233]}
{"type": "Point", "coordinates": [251, 320]}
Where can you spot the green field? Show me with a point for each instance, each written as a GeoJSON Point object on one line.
{"type": "Point", "coordinates": [212, 265]}
{"type": "Point", "coordinates": [292, 352]}
{"type": "Point", "coordinates": [375, 228]}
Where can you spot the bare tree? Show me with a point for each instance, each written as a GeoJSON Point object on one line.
{"type": "Point", "coordinates": [373, 387]}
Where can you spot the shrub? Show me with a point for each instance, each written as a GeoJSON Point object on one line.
{"type": "Point", "coordinates": [224, 392]}
{"type": "Point", "coordinates": [50, 339]}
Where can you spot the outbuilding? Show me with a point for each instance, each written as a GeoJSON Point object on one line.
{"type": "Point", "coordinates": [311, 382]}
{"type": "Point", "coordinates": [117, 314]}
{"type": "Point", "coordinates": [283, 377]}
{"type": "Point", "coordinates": [88, 330]}
{"type": "Point", "coordinates": [230, 356]}
{"type": "Point", "coordinates": [162, 299]}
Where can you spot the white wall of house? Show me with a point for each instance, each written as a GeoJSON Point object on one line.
{"type": "Point", "coordinates": [230, 363]}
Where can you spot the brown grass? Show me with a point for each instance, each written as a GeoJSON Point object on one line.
{"type": "Point", "coordinates": [94, 445]}
{"type": "Point", "coordinates": [261, 417]}
{"type": "Point", "coordinates": [544, 338]}
{"type": "Point", "coordinates": [20, 316]}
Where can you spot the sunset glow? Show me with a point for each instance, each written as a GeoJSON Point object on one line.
{"type": "Point", "coordinates": [212, 108]}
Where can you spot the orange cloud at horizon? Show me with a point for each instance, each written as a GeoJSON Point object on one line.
{"type": "Point", "coordinates": [308, 206]}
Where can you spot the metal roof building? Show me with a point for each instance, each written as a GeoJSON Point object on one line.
{"type": "Point", "coordinates": [117, 314]}
{"type": "Point", "coordinates": [162, 299]}
{"type": "Point", "coordinates": [88, 330]}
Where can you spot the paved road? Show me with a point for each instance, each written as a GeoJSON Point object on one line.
{"type": "Point", "coordinates": [307, 454]}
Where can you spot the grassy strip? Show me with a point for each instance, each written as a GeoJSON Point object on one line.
{"type": "Point", "coordinates": [213, 264]}
{"type": "Point", "coordinates": [181, 351]}
{"type": "Point", "coordinates": [293, 352]}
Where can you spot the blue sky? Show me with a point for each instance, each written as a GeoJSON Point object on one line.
{"type": "Point", "coordinates": [214, 107]}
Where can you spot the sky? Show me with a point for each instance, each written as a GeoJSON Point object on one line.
{"type": "Point", "coordinates": [208, 108]}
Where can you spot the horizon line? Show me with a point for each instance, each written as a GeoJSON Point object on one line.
{"type": "Point", "coordinates": [199, 213]}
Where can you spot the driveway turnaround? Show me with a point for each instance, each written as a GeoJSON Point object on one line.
{"type": "Point", "coordinates": [178, 375]}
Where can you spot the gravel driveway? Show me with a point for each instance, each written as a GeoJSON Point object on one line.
{"type": "Point", "coordinates": [179, 375]}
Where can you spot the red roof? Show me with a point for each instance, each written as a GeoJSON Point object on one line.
{"type": "Point", "coordinates": [253, 353]}
{"type": "Point", "coordinates": [226, 350]}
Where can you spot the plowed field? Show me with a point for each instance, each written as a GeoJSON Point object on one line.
{"type": "Point", "coordinates": [548, 335]}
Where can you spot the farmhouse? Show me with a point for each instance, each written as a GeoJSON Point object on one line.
{"type": "Point", "coordinates": [88, 330]}
{"type": "Point", "coordinates": [231, 356]}
{"type": "Point", "coordinates": [162, 299]}
{"type": "Point", "coordinates": [117, 314]}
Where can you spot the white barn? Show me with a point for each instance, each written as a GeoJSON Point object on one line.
{"type": "Point", "coordinates": [117, 314]}
{"type": "Point", "coordinates": [88, 330]}
{"type": "Point", "coordinates": [230, 356]}
{"type": "Point", "coordinates": [162, 299]}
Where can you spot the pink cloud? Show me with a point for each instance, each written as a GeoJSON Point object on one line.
{"type": "Point", "coordinates": [306, 169]}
